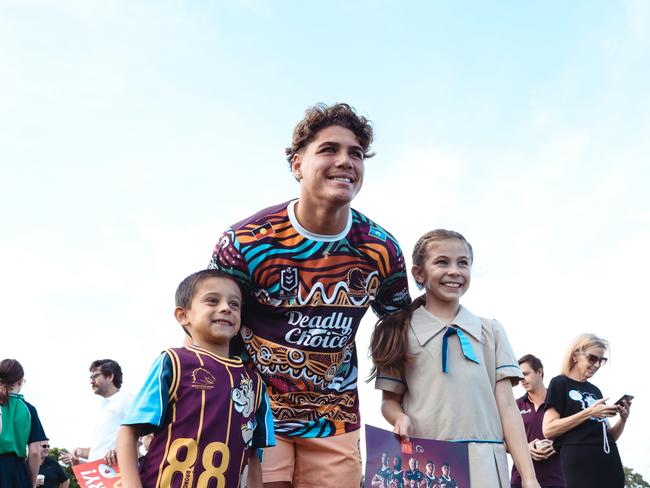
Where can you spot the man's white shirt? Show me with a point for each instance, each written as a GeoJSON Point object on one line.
{"type": "Point", "coordinates": [111, 413]}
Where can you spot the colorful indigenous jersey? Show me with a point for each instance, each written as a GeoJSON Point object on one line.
{"type": "Point", "coordinates": [447, 482]}
{"type": "Point", "coordinates": [415, 475]}
{"type": "Point", "coordinates": [432, 480]}
{"type": "Point", "coordinates": [398, 478]}
{"type": "Point", "coordinates": [207, 412]}
{"type": "Point", "coordinates": [308, 293]}
{"type": "Point", "coordinates": [384, 474]}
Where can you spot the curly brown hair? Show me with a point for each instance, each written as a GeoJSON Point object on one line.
{"type": "Point", "coordinates": [321, 116]}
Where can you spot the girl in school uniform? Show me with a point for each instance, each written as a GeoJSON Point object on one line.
{"type": "Point", "coordinates": [446, 373]}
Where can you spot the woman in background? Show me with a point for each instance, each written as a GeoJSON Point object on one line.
{"type": "Point", "coordinates": [576, 419]}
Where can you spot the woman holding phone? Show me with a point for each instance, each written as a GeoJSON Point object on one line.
{"type": "Point", "coordinates": [576, 418]}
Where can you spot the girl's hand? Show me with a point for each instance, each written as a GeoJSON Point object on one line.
{"type": "Point", "coordinates": [601, 411]}
{"type": "Point", "coordinates": [403, 427]}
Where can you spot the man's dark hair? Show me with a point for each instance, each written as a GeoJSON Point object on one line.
{"type": "Point", "coordinates": [534, 362]}
{"type": "Point", "coordinates": [321, 116]}
{"type": "Point", "coordinates": [108, 366]}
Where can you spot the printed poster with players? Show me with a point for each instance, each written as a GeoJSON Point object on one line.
{"type": "Point", "coordinates": [97, 474]}
{"type": "Point", "coordinates": [419, 463]}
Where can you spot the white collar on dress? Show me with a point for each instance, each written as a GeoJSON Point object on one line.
{"type": "Point", "coordinates": [425, 325]}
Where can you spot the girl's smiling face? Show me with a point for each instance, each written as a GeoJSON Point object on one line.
{"type": "Point", "coordinates": [445, 272]}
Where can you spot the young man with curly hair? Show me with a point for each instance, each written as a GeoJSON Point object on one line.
{"type": "Point", "coordinates": [311, 267]}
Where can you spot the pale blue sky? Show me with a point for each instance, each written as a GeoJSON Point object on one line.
{"type": "Point", "coordinates": [132, 133]}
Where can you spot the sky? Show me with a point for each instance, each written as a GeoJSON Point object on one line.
{"type": "Point", "coordinates": [132, 133]}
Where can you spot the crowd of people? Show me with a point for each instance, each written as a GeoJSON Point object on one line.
{"type": "Point", "coordinates": [265, 391]}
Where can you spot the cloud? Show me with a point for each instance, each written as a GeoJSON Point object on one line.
{"type": "Point", "coordinates": [638, 17]}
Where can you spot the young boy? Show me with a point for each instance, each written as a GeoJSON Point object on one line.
{"type": "Point", "coordinates": [208, 411]}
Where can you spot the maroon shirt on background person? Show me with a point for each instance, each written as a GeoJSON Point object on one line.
{"type": "Point", "coordinates": [548, 472]}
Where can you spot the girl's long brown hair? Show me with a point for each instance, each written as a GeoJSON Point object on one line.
{"type": "Point", "coordinates": [389, 341]}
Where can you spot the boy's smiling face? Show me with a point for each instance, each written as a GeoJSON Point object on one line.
{"type": "Point", "coordinates": [214, 315]}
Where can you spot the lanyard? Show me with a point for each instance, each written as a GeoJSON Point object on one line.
{"type": "Point", "coordinates": [465, 346]}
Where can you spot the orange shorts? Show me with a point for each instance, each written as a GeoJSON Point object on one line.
{"type": "Point", "coordinates": [314, 461]}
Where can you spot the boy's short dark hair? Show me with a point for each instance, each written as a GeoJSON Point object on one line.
{"type": "Point", "coordinates": [535, 362]}
{"type": "Point", "coordinates": [187, 288]}
{"type": "Point", "coordinates": [321, 116]}
{"type": "Point", "coordinates": [108, 366]}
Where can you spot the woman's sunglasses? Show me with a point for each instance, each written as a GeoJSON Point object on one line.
{"type": "Point", "coordinates": [593, 359]}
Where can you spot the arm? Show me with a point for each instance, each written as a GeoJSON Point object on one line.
{"type": "Point", "coordinates": [127, 455]}
{"type": "Point", "coordinates": [554, 426]}
{"type": "Point", "coordinates": [254, 479]}
{"type": "Point", "coordinates": [78, 455]}
{"type": "Point", "coordinates": [391, 409]}
{"type": "Point", "coordinates": [33, 460]}
{"type": "Point", "coordinates": [392, 294]}
{"type": "Point", "coordinates": [65, 484]}
{"type": "Point", "coordinates": [513, 431]}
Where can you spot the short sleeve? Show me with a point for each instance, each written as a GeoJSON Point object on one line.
{"type": "Point", "coordinates": [556, 395]}
{"type": "Point", "coordinates": [390, 380]}
{"type": "Point", "coordinates": [228, 257]}
{"type": "Point", "coordinates": [149, 408]}
{"type": "Point", "coordinates": [393, 292]}
{"type": "Point", "coordinates": [60, 474]}
{"type": "Point", "coordinates": [36, 432]}
{"type": "Point", "coordinates": [506, 362]}
{"type": "Point", "coordinates": [264, 433]}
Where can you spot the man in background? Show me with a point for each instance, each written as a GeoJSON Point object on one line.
{"type": "Point", "coordinates": [106, 381]}
{"type": "Point", "coordinates": [50, 473]}
{"type": "Point", "coordinates": [532, 407]}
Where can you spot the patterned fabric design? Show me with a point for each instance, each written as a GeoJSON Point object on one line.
{"type": "Point", "coordinates": [306, 299]}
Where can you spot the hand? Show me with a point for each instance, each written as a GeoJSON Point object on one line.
{"type": "Point", "coordinates": [111, 457]}
{"type": "Point", "coordinates": [69, 458]}
{"type": "Point", "coordinates": [403, 427]}
{"type": "Point", "coordinates": [546, 448]}
{"type": "Point", "coordinates": [624, 410]}
{"type": "Point", "coordinates": [535, 453]}
{"type": "Point", "coordinates": [601, 411]}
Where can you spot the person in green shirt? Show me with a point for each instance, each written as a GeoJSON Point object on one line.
{"type": "Point", "coordinates": [21, 432]}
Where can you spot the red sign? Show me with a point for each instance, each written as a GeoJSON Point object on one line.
{"type": "Point", "coordinates": [97, 474]}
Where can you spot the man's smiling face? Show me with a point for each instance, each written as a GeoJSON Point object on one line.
{"type": "Point", "coordinates": [330, 168]}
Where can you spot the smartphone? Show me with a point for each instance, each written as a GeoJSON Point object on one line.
{"type": "Point", "coordinates": [624, 398]}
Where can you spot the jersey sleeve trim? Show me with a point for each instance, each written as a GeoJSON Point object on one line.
{"type": "Point", "coordinates": [150, 404]}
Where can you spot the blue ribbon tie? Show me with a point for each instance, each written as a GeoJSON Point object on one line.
{"type": "Point", "coordinates": [465, 345]}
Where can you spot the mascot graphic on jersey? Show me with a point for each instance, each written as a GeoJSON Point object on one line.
{"type": "Point", "coordinates": [244, 400]}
